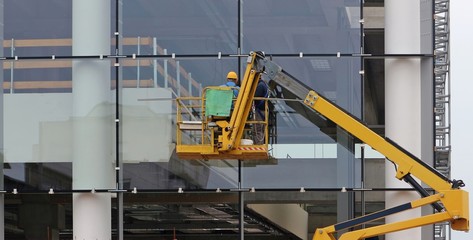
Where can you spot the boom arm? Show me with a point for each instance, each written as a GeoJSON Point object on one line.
{"type": "Point", "coordinates": [232, 130]}
{"type": "Point", "coordinates": [450, 201]}
{"type": "Point", "coordinates": [453, 199]}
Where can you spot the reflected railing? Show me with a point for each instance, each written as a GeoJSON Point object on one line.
{"type": "Point", "coordinates": [142, 44]}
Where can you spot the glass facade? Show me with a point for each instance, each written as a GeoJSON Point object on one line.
{"type": "Point", "coordinates": [123, 112]}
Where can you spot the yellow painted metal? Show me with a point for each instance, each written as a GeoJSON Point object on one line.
{"type": "Point", "coordinates": [404, 162]}
{"type": "Point", "coordinates": [397, 226]}
{"type": "Point", "coordinates": [225, 144]}
{"type": "Point", "coordinates": [324, 233]}
{"type": "Point", "coordinates": [192, 152]}
{"type": "Point", "coordinates": [455, 201]}
{"type": "Point", "coordinates": [457, 205]}
{"type": "Point", "coordinates": [221, 138]}
{"type": "Point", "coordinates": [233, 130]}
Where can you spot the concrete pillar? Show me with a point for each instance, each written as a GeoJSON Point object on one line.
{"type": "Point", "coordinates": [403, 99]}
{"type": "Point", "coordinates": [2, 201]}
{"type": "Point", "coordinates": [93, 123]}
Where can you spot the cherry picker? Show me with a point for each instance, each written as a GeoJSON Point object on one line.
{"type": "Point", "coordinates": [223, 138]}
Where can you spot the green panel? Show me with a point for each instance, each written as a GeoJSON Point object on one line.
{"type": "Point", "coordinates": [218, 102]}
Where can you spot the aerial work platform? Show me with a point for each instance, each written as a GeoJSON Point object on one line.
{"type": "Point", "coordinates": [218, 136]}
{"type": "Point", "coordinates": [219, 126]}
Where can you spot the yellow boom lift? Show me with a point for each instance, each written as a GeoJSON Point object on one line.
{"type": "Point", "coordinates": [449, 200]}
{"type": "Point", "coordinates": [220, 131]}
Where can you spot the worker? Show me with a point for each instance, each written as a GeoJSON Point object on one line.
{"type": "Point", "coordinates": [232, 81]}
{"type": "Point", "coordinates": [259, 107]}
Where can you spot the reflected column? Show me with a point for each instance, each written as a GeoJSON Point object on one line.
{"type": "Point", "coordinates": [93, 165]}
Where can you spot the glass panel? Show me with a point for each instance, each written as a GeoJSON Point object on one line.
{"type": "Point", "coordinates": [320, 153]}
{"type": "Point", "coordinates": [182, 27]}
{"type": "Point", "coordinates": [149, 131]}
{"type": "Point", "coordinates": [215, 214]}
{"type": "Point", "coordinates": [148, 125]}
{"type": "Point", "coordinates": [184, 174]}
{"type": "Point", "coordinates": [321, 26]}
{"type": "Point", "coordinates": [37, 76]}
{"type": "Point", "coordinates": [337, 79]}
{"type": "Point", "coordinates": [35, 216]}
{"type": "Point", "coordinates": [34, 28]}
{"type": "Point", "coordinates": [297, 173]}
{"type": "Point", "coordinates": [40, 113]}
{"type": "Point", "coordinates": [182, 77]}
{"type": "Point", "coordinates": [32, 177]}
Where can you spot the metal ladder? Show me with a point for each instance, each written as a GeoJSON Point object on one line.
{"type": "Point", "coordinates": [442, 99]}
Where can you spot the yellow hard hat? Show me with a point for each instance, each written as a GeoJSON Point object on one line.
{"type": "Point", "coordinates": [232, 75]}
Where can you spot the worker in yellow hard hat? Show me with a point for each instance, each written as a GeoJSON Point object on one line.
{"type": "Point", "coordinates": [232, 81]}
{"type": "Point", "coordinates": [232, 76]}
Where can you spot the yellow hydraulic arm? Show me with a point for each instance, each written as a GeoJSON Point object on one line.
{"type": "Point", "coordinates": [232, 130]}
{"type": "Point", "coordinates": [454, 200]}
{"type": "Point", "coordinates": [450, 202]}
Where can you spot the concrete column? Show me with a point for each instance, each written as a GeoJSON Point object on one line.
{"type": "Point", "coordinates": [2, 201]}
{"type": "Point", "coordinates": [93, 123]}
{"type": "Point", "coordinates": [403, 99]}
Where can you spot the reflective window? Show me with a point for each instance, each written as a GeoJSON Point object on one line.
{"type": "Point", "coordinates": [191, 30]}
{"type": "Point", "coordinates": [34, 28]}
{"type": "Point", "coordinates": [65, 114]}
{"type": "Point", "coordinates": [183, 26]}
{"type": "Point", "coordinates": [322, 26]}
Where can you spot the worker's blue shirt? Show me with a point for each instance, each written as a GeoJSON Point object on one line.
{"type": "Point", "coordinates": [233, 86]}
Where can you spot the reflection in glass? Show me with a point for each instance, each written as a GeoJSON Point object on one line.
{"type": "Point", "coordinates": [182, 27]}
{"type": "Point", "coordinates": [33, 28]}
{"type": "Point", "coordinates": [315, 27]}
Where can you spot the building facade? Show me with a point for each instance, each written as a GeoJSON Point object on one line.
{"type": "Point", "coordinates": [89, 115]}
